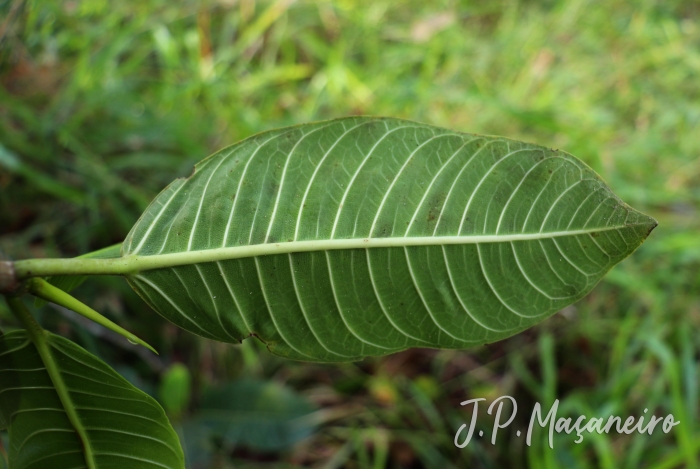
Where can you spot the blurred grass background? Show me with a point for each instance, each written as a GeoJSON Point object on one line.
{"type": "Point", "coordinates": [104, 103]}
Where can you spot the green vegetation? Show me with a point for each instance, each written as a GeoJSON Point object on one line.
{"type": "Point", "coordinates": [102, 104]}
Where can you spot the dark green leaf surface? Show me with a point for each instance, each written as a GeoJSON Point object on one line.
{"type": "Point", "coordinates": [124, 426]}
{"type": "Point", "coordinates": [364, 236]}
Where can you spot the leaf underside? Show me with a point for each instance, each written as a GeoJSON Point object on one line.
{"type": "Point", "coordinates": [537, 230]}
{"type": "Point", "coordinates": [124, 426]}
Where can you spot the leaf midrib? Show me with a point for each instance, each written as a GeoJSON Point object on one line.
{"type": "Point", "coordinates": [133, 264]}
{"type": "Point", "coordinates": [154, 261]}
{"type": "Point", "coordinates": [40, 339]}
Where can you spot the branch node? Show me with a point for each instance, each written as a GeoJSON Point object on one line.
{"type": "Point", "coordinates": [8, 278]}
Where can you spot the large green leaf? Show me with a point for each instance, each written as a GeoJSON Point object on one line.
{"type": "Point", "coordinates": [364, 236]}
{"type": "Point", "coordinates": [118, 425]}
